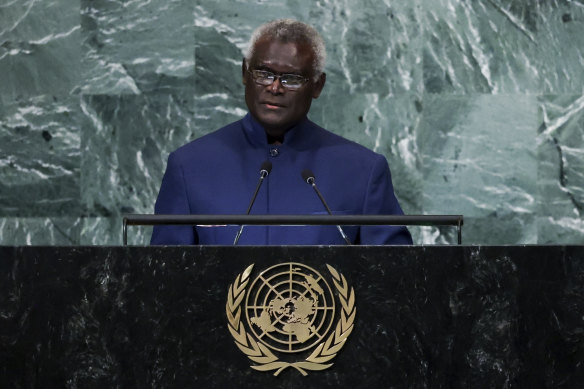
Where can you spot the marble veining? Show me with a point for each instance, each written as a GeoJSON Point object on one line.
{"type": "Point", "coordinates": [560, 140]}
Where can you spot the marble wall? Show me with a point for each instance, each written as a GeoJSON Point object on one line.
{"type": "Point", "coordinates": [477, 104]}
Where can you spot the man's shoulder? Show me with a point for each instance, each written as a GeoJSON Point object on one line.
{"type": "Point", "coordinates": [342, 145]}
{"type": "Point", "coordinates": [207, 143]}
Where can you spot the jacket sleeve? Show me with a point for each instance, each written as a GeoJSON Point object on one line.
{"type": "Point", "coordinates": [172, 200]}
{"type": "Point", "coordinates": [380, 200]}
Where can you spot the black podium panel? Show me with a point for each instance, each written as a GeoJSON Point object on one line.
{"type": "Point", "coordinates": [427, 317]}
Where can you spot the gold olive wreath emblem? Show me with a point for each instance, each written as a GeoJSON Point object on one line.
{"type": "Point", "coordinates": [291, 311]}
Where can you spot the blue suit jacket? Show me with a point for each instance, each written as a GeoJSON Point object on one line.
{"type": "Point", "coordinates": [218, 173]}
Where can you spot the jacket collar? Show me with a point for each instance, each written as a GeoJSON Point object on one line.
{"type": "Point", "coordinates": [296, 137]}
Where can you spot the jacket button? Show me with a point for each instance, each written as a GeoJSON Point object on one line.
{"type": "Point", "coordinates": [274, 152]}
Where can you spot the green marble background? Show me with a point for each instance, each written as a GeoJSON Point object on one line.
{"type": "Point", "coordinates": [477, 104]}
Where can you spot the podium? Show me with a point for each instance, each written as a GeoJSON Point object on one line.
{"type": "Point", "coordinates": [155, 317]}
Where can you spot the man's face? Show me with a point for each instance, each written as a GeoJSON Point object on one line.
{"type": "Point", "coordinates": [273, 106]}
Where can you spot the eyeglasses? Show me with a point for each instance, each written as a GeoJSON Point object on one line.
{"type": "Point", "coordinates": [288, 81]}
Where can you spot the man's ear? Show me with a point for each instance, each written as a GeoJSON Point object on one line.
{"type": "Point", "coordinates": [243, 71]}
{"type": "Point", "coordinates": [318, 85]}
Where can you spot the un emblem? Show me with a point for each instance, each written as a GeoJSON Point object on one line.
{"type": "Point", "coordinates": [290, 309]}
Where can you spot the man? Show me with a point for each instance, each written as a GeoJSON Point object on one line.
{"type": "Point", "coordinates": [217, 173]}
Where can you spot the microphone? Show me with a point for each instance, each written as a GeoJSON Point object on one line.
{"type": "Point", "coordinates": [308, 176]}
{"type": "Point", "coordinates": [265, 169]}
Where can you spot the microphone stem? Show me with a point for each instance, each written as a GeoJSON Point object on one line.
{"type": "Point", "coordinates": [321, 198]}
{"type": "Point", "coordinates": [263, 175]}
{"type": "Point", "coordinates": [257, 189]}
{"type": "Point", "coordinates": [313, 184]}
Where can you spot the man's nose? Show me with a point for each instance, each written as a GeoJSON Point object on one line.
{"type": "Point", "coordinates": [276, 86]}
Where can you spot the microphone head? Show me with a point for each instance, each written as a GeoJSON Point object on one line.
{"type": "Point", "coordinates": [308, 176]}
{"type": "Point", "coordinates": [266, 167]}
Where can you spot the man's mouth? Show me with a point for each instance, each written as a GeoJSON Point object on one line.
{"type": "Point", "coordinates": [271, 105]}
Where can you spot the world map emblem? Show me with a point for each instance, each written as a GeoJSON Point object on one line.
{"type": "Point", "coordinates": [287, 317]}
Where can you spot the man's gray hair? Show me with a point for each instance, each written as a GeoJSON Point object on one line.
{"type": "Point", "coordinates": [290, 30]}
